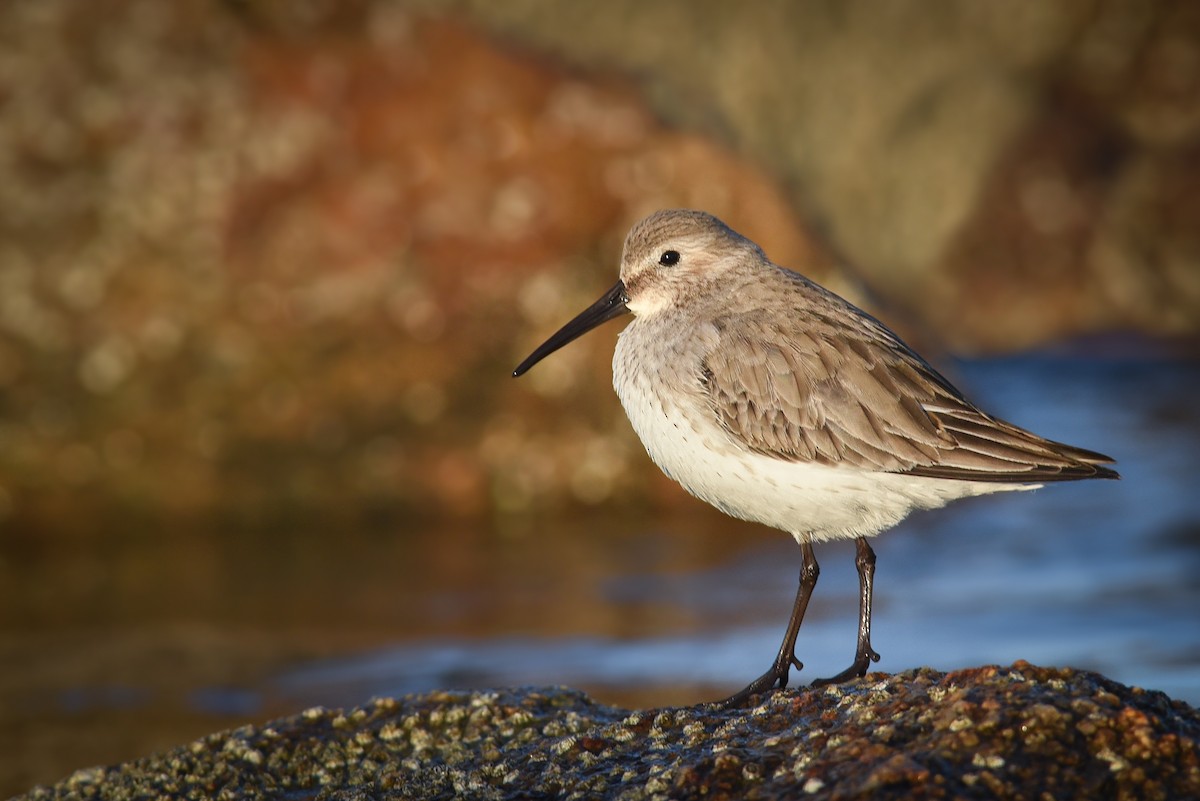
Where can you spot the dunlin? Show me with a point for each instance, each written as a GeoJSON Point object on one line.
{"type": "Point", "coordinates": [779, 402]}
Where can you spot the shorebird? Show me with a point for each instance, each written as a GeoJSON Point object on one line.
{"type": "Point", "coordinates": [781, 403]}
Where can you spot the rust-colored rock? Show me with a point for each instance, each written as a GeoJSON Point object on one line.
{"type": "Point", "coordinates": [274, 263]}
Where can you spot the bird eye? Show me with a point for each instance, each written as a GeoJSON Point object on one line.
{"type": "Point", "coordinates": [669, 258]}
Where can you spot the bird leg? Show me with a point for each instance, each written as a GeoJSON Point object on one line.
{"type": "Point", "coordinates": [864, 654]}
{"type": "Point", "coordinates": [777, 675]}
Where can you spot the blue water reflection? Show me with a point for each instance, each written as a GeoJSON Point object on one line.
{"type": "Point", "coordinates": [1097, 575]}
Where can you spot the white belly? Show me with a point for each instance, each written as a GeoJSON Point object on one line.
{"type": "Point", "coordinates": [810, 501]}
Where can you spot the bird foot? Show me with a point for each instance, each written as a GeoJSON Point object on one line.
{"type": "Point", "coordinates": [776, 677]}
{"type": "Point", "coordinates": [857, 669]}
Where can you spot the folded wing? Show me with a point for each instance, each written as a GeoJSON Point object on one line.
{"type": "Point", "coordinates": [863, 399]}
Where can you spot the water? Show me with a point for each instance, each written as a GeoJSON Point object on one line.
{"type": "Point", "coordinates": [1096, 575]}
{"type": "Point", "coordinates": [117, 646]}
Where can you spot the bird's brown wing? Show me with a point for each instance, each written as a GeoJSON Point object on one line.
{"type": "Point", "coordinates": [857, 396]}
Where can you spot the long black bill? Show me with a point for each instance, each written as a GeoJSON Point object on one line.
{"type": "Point", "coordinates": [610, 306]}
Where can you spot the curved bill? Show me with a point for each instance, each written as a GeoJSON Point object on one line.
{"type": "Point", "coordinates": [610, 306]}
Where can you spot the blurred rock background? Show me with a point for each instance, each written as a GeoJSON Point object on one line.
{"type": "Point", "coordinates": [265, 268]}
{"type": "Point", "coordinates": [268, 259]}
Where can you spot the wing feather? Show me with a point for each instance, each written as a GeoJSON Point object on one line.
{"type": "Point", "coordinates": [863, 399]}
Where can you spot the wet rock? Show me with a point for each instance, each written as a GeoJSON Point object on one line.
{"type": "Point", "coordinates": [1019, 731]}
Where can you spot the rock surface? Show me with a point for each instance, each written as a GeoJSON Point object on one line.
{"type": "Point", "coordinates": [1020, 731]}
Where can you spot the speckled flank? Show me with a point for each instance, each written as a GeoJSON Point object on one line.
{"type": "Point", "coordinates": [1015, 732]}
